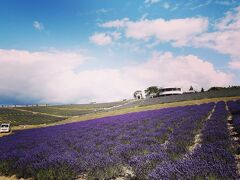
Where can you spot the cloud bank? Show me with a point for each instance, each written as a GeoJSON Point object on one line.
{"type": "Point", "coordinates": [151, 1]}
{"type": "Point", "coordinates": [53, 76]}
{"type": "Point", "coordinates": [224, 39]}
{"type": "Point", "coordinates": [101, 39]}
{"type": "Point", "coordinates": [195, 32]}
{"type": "Point", "coordinates": [176, 31]}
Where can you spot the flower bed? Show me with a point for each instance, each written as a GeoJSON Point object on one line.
{"type": "Point", "coordinates": [148, 145]}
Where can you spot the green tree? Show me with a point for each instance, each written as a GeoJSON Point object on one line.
{"type": "Point", "coordinates": [151, 90]}
{"type": "Point", "coordinates": [215, 88]}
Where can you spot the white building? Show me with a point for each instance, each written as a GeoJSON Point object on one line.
{"type": "Point", "coordinates": [170, 91]}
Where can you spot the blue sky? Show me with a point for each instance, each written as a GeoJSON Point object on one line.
{"type": "Point", "coordinates": [114, 41]}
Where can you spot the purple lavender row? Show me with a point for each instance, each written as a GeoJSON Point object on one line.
{"type": "Point", "coordinates": [183, 137]}
{"type": "Point", "coordinates": [234, 107]}
{"type": "Point", "coordinates": [180, 139]}
{"type": "Point", "coordinates": [212, 159]}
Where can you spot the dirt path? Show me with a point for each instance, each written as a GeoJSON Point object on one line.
{"type": "Point", "coordinates": [39, 113]}
{"type": "Point", "coordinates": [197, 138]}
{"type": "Point", "coordinates": [235, 137]}
{"type": "Point", "coordinates": [9, 178]}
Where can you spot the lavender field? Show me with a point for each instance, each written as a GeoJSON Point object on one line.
{"type": "Point", "coordinates": [190, 142]}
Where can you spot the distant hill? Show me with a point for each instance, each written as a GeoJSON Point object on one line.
{"type": "Point", "coordinates": [214, 92]}
{"type": "Point", "coordinates": [220, 88]}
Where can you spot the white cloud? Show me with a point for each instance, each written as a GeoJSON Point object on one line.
{"type": "Point", "coordinates": [144, 16]}
{"type": "Point", "coordinates": [38, 26]}
{"type": "Point", "coordinates": [231, 21]}
{"type": "Point", "coordinates": [177, 31]}
{"type": "Point", "coordinates": [53, 77]}
{"type": "Point", "coordinates": [48, 76]}
{"type": "Point", "coordinates": [226, 37]}
{"type": "Point", "coordinates": [99, 11]}
{"type": "Point", "coordinates": [115, 35]}
{"type": "Point", "coordinates": [165, 69]}
{"type": "Point", "coordinates": [206, 3]}
{"type": "Point", "coordinates": [225, 42]}
{"type": "Point", "coordinates": [225, 3]}
{"type": "Point", "coordinates": [195, 32]}
{"type": "Point", "coordinates": [175, 7]}
{"type": "Point", "coordinates": [101, 39]}
{"type": "Point", "coordinates": [193, 5]}
{"type": "Point", "coordinates": [166, 5]}
{"type": "Point", "coordinates": [151, 1]}
{"type": "Point", "coordinates": [234, 64]}
{"type": "Point", "coordinates": [133, 46]}
{"type": "Point", "coordinates": [116, 23]}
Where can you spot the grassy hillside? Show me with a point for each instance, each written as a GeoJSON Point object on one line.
{"type": "Point", "coordinates": [24, 122]}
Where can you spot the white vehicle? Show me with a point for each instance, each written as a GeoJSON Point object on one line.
{"type": "Point", "coordinates": [5, 127]}
{"type": "Point", "coordinates": [170, 91]}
